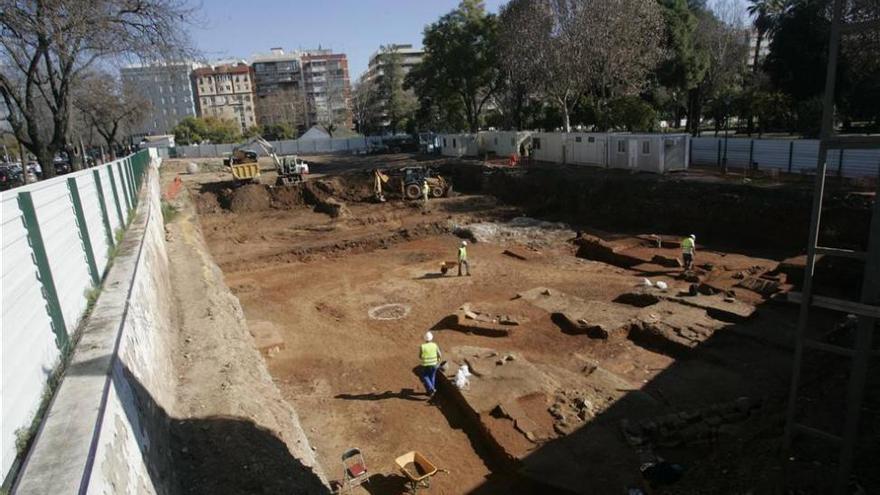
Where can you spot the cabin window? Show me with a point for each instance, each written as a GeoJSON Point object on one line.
{"type": "Point", "coordinates": [621, 146]}
{"type": "Point", "coordinates": [591, 139]}
{"type": "Point", "coordinates": [578, 139]}
{"type": "Point", "coordinates": [444, 142]}
{"type": "Point", "coordinates": [454, 145]}
{"type": "Point", "coordinates": [646, 147]}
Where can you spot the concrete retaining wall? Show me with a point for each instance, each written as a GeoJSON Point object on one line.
{"type": "Point", "coordinates": [106, 430]}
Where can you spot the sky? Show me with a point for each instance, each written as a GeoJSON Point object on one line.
{"type": "Point", "coordinates": [240, 29]}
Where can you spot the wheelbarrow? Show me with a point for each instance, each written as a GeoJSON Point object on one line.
{"type": "Point", "coordinates": [417, 469]}
{"type": "Point", "coordinates": [447, 265]}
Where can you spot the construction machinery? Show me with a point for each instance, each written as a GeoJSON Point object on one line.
{"type": "Point", "coordinates": [243, 163]}
{"type": "Point", "coordinates": [407, 181]}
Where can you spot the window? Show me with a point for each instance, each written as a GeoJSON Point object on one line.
{"type": "Point", "coordinates": [578, 139]}
{"type": "Point", "coordinates": [591, 139]}
{"type": "Point", "coordinates": [536, 143]}
{"type": "Point", "coordinates": [444, 142]}
{"type": "Point", "coordinates": [453, 143]}
{"type": "Point", "coordinates": [646, 147]}
{"type": "Point", "coordinates": [621, 146]}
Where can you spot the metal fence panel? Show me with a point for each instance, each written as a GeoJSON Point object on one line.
{"type": "Point", "coordinates": [63, 249]}
{"type": "Point", "coordinates": [31, 346]}
{"type": "Point", "coordinates": [798, 155]}
{"type": "Point", "coordinates": [28, 343]}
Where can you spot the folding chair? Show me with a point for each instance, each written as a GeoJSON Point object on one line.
{"type": "Point", "coordinates": [354, 469]}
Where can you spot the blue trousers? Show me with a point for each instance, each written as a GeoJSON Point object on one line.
{"type": "Point", "coordinates": [429, 378]}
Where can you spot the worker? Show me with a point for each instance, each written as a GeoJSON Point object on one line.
{"type": "Point", "coordinates": [687, 251]}
{"type": "Point", "coordinates": [463, 259]}
{"type": "Point", "coordinates": [426, 191]}
{"type": "Point", "coordinates": [429, 358]}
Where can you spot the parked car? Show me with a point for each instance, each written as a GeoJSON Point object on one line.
{"type": "Point", "coordinates": [62, 165]}
{"type": "Point", "coordinates": [10, 176]}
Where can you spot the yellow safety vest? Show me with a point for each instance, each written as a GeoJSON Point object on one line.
{"type": "Point", "coordinates": [687, 245]}
{"type": "Point", "coordinates": [426, 189]}
{"type": "Point", "coordinates": [430, 354]}
{"type": "Point", "coordinates": [462, 254]}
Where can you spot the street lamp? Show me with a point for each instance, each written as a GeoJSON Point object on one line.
{"type": "Point", "coordinates": [726, 100]}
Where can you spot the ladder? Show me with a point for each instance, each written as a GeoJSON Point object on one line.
{"type": "Point", "coordinates": [867, 309]}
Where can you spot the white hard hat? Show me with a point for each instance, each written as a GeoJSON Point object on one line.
{"type": "Point", "coordinates": [429, 337]}
{"type": "Point", "coordinates": [694, 237]}
{"type": "Point", "coordinates": [464, 243]}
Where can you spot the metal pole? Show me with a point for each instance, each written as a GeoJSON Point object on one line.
{"type": "Point", "coordinates": [790, 154]}
{"type": "Point", "coordinates": [840, 163]}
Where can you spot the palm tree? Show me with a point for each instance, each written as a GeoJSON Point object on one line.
{"type": "Point", "coordinates": [765, 15]}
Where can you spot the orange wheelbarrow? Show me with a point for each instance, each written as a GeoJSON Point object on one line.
{"type": "Point", "coordinates": [417, 469]}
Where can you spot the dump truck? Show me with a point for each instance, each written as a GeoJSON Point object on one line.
{"type": "Point", "coordinates": [407, 182]}
{"type": "Point", "coordinates": [243, 163]}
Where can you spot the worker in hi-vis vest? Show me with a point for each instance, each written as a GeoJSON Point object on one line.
{"type": "Point", "coordinates": [462, 259]}
{"type": "Point", "coordinates": [426, 191]}
{"type": "Point", "coordinates": [429, 357]}
{"type": "Point", "coordinates": [687, 251]}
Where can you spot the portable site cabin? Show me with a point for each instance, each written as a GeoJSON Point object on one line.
{"type": "Point", "coordinates": [657, 153]}
{"type": "Point", "coordinates": [586, 148]}
{"type": "Point", "coordinates": [547, 146]}
{"type": "Point", "coordinates": [504, 143]}
{"type": "Point", "coordinates": [459, 145]}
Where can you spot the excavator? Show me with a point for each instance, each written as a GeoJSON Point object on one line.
{"type": "Point", "coordinates": [244, 166]}
{"type": "Point", "coordinates": [407, 182]}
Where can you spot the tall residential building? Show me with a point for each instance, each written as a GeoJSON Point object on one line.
{"type": "Point", "coordinates": [327, 87]}
{"type": "Point", "coordinates": [226, 91]}
{"type": "Point", "coordinates": [278, 79]}
{"type": "Point", "coordinates": [752, 37]}
{"type": "Point", "coordinates": [169, 90]}
{"type": "Point", "coordinates": [407, 56]}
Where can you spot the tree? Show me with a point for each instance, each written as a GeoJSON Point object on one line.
{"type": "Point", "coordinates": [765, 18]}
{"type": "Point", "coordinates": [197, 130]}
{"type": "Point", "coordinates": [46, 45]}
{"type": "Point", "coordinates": [399, 103]}
{"type": "Point", "coordinates": [632, 114]}
{"type": "Point", "coordinates": [544, 46]}
{"type": "Point", "coordinates": [284, 106]}
{"type": "Point", "coordinates": [278, 132]}
{"type": "Point", "coordinates": [720, 34]}
{"type": "Point", "coordinates": [332, 111]}
{"type": "Point", "coordinates": [460, 63]}
{"type": "Point", "coordinates": [685, 63]}
{"type": "Point", "coordinates": [565, 48]}
{"type": "Point", "coordinates": [365, 106]}
{"type": "Point", "coordinates": [624, 40]}
{"type": "Point", "coordinates": [107, 107]}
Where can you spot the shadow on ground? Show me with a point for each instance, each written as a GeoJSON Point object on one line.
{"type": "Point", "coordinates": [215, 455]}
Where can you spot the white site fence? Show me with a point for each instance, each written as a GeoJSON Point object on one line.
{"type": "Point", "coordinates": [288, 147]}
{"type": "Point", "coordinates": [58, 236]}
{"type": "Point", "coordinates": [788, 155]}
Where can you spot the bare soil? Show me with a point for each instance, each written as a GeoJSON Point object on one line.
{"type": "Point", "coordinates": [352, 378]}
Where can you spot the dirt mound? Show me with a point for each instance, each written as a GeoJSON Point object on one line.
{"type": "Point", "coordinates": [207, 203]}
{"type": "Point", "coordinates": [348, 187]}
{"type": "Point", "coordinates": [286, 197]}
{"type": "Point", "coordinates": [250, 198]}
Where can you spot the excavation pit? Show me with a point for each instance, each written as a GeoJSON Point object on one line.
{"type": "Point", "coordinates": [349, 363]}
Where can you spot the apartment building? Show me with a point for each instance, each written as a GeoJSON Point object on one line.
{"type": "Point", "coordinates": [405, 55]}
{"type": "Point", "coordinates": [278, 92]}
{"type": "Point", "coordinates": [408, 56]}
{"type": "Point", "coordinates": [169, 90]}
{"type": "Point", "coordinates": [327, 88]}
{"type": "Point", "coordinates": [226, 91]}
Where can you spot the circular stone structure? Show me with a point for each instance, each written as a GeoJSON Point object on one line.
{"type": "Point", "coordinates": [393, 311]}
